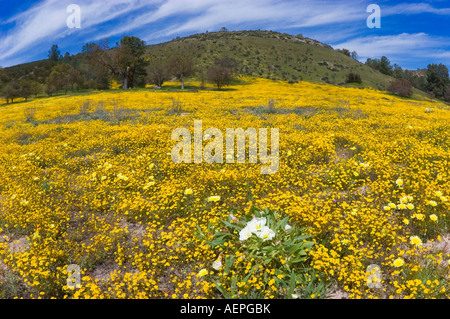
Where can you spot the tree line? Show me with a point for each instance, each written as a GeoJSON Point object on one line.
{"type": "Point", "coordinates": [434, 80]}
{"type": "Point", "coordinates": [127, 63]}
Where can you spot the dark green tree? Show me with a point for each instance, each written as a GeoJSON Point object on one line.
{"type": "Point", "coordinates": [437, 80]}
{"type": "Point", "coordinates": [24, 88]}
{"type": "Point", "coordinates": [11, 91]}
{"type": "Point", "coordinates": [54, 54]}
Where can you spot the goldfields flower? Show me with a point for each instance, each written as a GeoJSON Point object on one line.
{"type": "Point", "coordinates": [416, 241]}
{"type": "Point", "coordinates": [405, 221]}
{"type": "Point", "coordinates": [202, 273]}
{"type": "Point", "coordinates": [213, 198]}
{"type": "Point", "coordinates": [392, 205]}
{"type": "Point", "coordinates": [432, 203]}
{"type": "Point", "coordinates": [266, 233]}
{"type": "Point", "coordinates": [386, 208]}
{"type": "Point", "coordinates": [122, 177]}
{"type": "Point", "coordinates": [399, 262]}
{"type": "Point", "coordinates": [24, 202]}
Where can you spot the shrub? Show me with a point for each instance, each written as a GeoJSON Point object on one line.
{"type": "Point", "coordinates": [353, 78]}
{"type": "Point", "coordinates": [400, 87]}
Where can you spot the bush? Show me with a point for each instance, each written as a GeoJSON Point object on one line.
{"type": "Point", "coordinates": [400, 87]}
{"type": "Point", "coordinates": [353, 78]}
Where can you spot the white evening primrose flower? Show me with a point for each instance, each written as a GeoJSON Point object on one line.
{"type": "Point", "coordinates": [287, 227]}
{"type": "Point", "coordinates": [245, 233]}
{"type": "Point", "coordinates": [256, 224]}
{"type": "Point", "coordinates": [266, 233]}
{"type": "Point", "coordinates": [217, 263]}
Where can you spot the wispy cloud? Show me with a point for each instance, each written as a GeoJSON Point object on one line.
{"type": "Point", "coordinates": [399, 47]}
{"type": "Point", "coordinates": [414, 8]}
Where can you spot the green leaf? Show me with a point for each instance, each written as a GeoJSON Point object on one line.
{"type": "Point", "coordinates": [297, 260]}
{"type": "Point", "coordinates": [282, 223]}
{"type": "Point", "coordinates": [230, 225]}
{"type": "Point", "coordinates": [301, 237]}
{"type": "Point", "coordinates": [222, 290]}
{"type": "Point", "coordinates": [228, 263]}
{"type": "Point", "coordinates": [200, 231]}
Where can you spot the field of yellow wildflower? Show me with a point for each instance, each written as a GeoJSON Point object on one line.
{"type": "Point", "coordinates": [88, 180]}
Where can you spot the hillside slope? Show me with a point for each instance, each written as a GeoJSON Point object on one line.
{"type": "Point", "coordinates": [272, 55]}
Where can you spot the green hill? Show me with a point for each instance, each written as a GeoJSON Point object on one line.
{"type": "Point", "coordinates": [273, 55]}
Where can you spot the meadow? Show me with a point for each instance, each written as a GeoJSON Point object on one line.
{"type": "Point", "coordinates": [88, 179]}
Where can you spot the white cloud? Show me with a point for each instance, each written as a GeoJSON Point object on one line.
{"type": "Point", "coordinates": [414, 8]}
{"type": "Point", "coordinates": [399, 47]}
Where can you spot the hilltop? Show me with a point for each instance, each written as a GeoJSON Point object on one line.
{"type": "Point", "coordinates": [273, 55]}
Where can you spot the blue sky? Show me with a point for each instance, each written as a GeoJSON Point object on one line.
{"type": "Point", "coordinates": [412, 34]}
